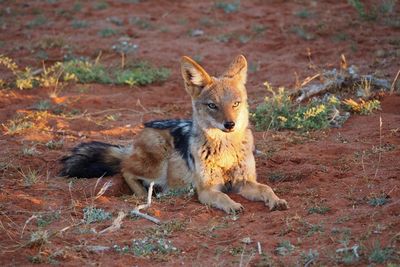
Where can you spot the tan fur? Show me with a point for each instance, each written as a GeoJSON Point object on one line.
{"type": "Point", "coordinates": [222, 156]}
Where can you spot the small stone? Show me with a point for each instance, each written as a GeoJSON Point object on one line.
{"type": "Point", "coordinates": [246, 240]}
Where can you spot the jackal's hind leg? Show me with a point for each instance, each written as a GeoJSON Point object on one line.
{"type": "Point", "coordinates": [262, 192]}
{"type": "Point", "coordinates": [134, 184]}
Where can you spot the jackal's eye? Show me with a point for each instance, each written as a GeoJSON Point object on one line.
{"type": "Point", "coordinates": [211, 106]}
{"type": "Point", "coordinates": [236, 104]}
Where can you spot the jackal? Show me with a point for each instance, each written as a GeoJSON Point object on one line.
{"type": "Point", "coordinates": [213, 151]}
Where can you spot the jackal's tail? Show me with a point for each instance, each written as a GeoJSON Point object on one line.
{"type": "Point", "coordinates": [93, 159]}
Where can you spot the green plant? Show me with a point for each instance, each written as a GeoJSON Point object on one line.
{"type": "Point", "coordinates": [100, 5]}
{"type": "Point", "coordinates": [363, 107]}
{"type": "Point", "coordinates": [92, 215]}
{"type": "Point", "coordinates": [361, 10]}
{"type": "Point", "coordinates": [378, 201]}
{"type": "Point", "coordinates": [78, 24]}
{"type": "Point", "coordinates": [319, 209]}
{"type": "Point", "coordinates": [30, 177]}
{"type": "Point", "coordinates": [142, 23]}
{"type": "Point", "coordinates": [46, 219]}
{"type": "Point", "coordinates": [54, 145]}
{"type": "Point", "coordinates": [279, 112]}
{"type": "Point", "coordinates": [43, 105]}
{"type": "Point", "coordinates": [284, 248]}
{"type": "Point", "coordinates": [228, 7]}
{"type": "Point", "coordinates": [30, 151]}
{"type": "Point", "coordinates": [148, 246]}
{"type": "Point", "coordinates": [276, 177]}
{"type": "Point", "coordinates": [86, 72]}
{"type": "Point", "coordinates": [380, 255]}
{"type": "Point", "coordinates": [39, 238]}
{"type": "Point", "coordinates": [141, 74]}
{"type": "Point", "coordinates": [107, 32]}
{"type": "Point", "coordinates": [302, 33]}
{"type": "Point", "coordinates": [304, 14]}
{"type": "Point", "coordinates": [38, 21]}
{"type": "Point", "coordinates": [309, 257]}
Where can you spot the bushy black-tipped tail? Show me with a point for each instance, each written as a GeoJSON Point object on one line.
{"type": "Point", "coordinates": [93, 159]}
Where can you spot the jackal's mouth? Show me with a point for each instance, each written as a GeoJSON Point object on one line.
{"type": "Point", "coordinates": [227, 130]}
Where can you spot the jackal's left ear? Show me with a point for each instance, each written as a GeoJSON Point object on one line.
{"type": "Point", "coordinates": [238, 69]}
{"type": "Point", "coordinates": [195, 77]}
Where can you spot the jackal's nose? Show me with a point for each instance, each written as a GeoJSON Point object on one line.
{"type": "Point", "coordinates": [229, 125]}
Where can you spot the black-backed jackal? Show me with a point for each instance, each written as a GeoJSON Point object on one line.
{"type": "Point", "coordinates": [213, 151]}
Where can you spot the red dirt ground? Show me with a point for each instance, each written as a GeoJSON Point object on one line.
{"type": "Point", "coordinates": [338, 169]}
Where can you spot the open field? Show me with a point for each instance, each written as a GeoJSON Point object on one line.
{"type": "Point", "coordinates": [342, 184]}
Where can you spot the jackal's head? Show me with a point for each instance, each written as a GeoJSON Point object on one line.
{"type": "Point", "coordinates": [218, 102]}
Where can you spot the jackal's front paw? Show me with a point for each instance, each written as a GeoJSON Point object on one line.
{"type": "Point", "coordinates": [233, 208]}
{"type": "Point", "coordinates": [278, 204]}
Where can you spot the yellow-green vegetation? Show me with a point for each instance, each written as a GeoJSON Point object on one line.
{"type": "Point", "coordinates": [279, 112]}
{"type": "Point", "coordinates": [82, 71]}
{"type": "Point", "coordinates": [363, 107]}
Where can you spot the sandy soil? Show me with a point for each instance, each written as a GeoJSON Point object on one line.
{"type": "Point", "coordinates": [330, 178]}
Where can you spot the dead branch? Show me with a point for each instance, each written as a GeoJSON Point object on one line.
{"type": "Point", "coordinates": [335, 80]}
{"type": "Point", "coordinates": [137, 212]}
{"type": "Point", "coordinates": [394, 82]}
{"type": "Point", "coordinates": [116, 224]}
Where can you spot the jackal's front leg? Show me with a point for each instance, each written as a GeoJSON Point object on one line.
{"type": "Point", "coordinates": [253, 190]}
{"type": "Point", "coordinates": [217, 199]}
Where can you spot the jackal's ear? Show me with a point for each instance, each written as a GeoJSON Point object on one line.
{"type": "Point", "coordinates": [194, 76]}
{"type": "Point", "coordinates": [238, 69]}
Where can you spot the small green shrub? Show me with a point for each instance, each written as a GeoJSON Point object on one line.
{"type": "Point", "coordinates": [228, 7]}
{"type": "Point", "coordinates": [141, 74]}
{"type": "Point", "coordinates": [284, 248]}
{"type": "Point", "coordinates": [380, 255]}
{"type": "Point", "coordinates": [107, 32]}
{"type": "Point", "coordinates": [319, 209]}
{"type": "Point", "coordinates": [78, 24]}
{"type": "Point", "coordinates": [148, 246]}
{"type": "Point", "coordinates": [92, 215]}
{"type": "Point", "coordinates": [279, 112]}
{"type": "Point", "coordinates": [378, 201]}
{"type": "Point", "coordinates": [87, 72]}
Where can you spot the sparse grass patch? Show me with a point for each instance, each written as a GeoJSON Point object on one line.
{"type": "Point", "coordinates": [30, 177]}
{"type": "Point", "coordinates": [39, 238]}
{"type": "Point", "coordinates": [43, 105]}
{"type": "Point", "coordinates": [178, 192]}
{"type": "Point", "coordinates": [92, 215]}
{"type": "Point", "coordinates": [379, 254]}
{"type": "Point", "coordinates": [107, 32]}
{"type": "Point", "coordinates": [304, 14]}
{"type": "Point", "coordinates": [148, 246]}
{"type": "Point", "coordinates": [30, 151]}
{"type": "Point", "coordinates": [319, 209]}
{"type": "Point", "coordinates": [277, 177]}
{"type": "Point", "coordinates": [79, 24]}
{"type": "Point", "coordinates": [17, 126]}
{"type": "Point", "coordinates": [378, 201]}
{"type": "Point", "coordinates": [141, 23]}
{"type": "Point", "coordinates": [141, 74]}
{"type": "Point", "coordinates": [303, 33]}
{"type": "Point", "coordinates": [100, 5]}
{"type": "Point", "coordinates": [38, 21]}
{"type": "Point", "coordinates": [55, 145]}
{"type": "Point", "coordinates": [284, 248]}
{"type": "Point", "coordinates": [228, 7]}
{"type": "Point", "coordinates": [307, 258]}
{"type": "Point", "coordinates": [44, 220]}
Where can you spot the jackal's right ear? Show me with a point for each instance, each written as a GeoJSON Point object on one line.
{"type": "Point", "coordinates": [194, 76]}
